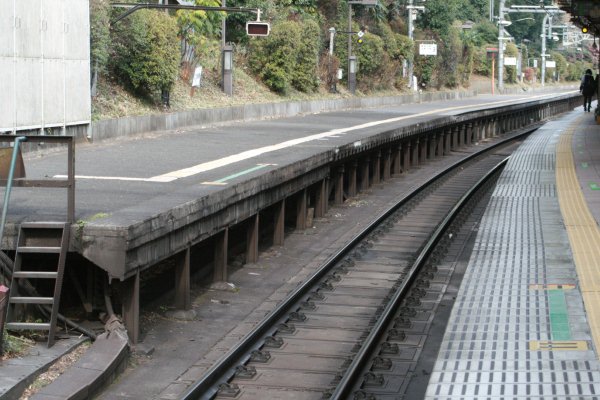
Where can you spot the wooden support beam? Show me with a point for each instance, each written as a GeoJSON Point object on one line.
{"type": "Point", "coordinates": [321, 206]}
{"type": "Point", "coordinates": [365, 170]}
{"type": "Point", "coordinates": [182, 281]}
{"type": "Point", "coordinates": [339, 186]}
{"type": "Point", "coordinates": [279, 230]}
{"type": "Point", "coordinates": [352, 178]}
{"type": "Point", "coordinates": [131, 307]}
{"type": "Point", "coordinates": [387, 164]}
{"type": "Point", "coordinates": [220, 260]}
{"type": "Point", "coordinates": [252, 239]}
{"type": "Point", "coordinates": [301, 210]}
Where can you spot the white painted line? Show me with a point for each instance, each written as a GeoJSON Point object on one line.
{"type": "Point", "coordinates": [210, 165]}
{"type": "Point", "coordinates": [104, 178]}
{"type": "Point", "coordinates": [215, 183]}
{"type": "Point", "coordinates": [207, 166]}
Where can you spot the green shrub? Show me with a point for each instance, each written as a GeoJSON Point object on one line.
{"type": "Point", "coordinates": [99, 33]}
{"type": "Point", "coordinates": [147, 51]}
{"type": "Point", "coordinates": [288, 57]}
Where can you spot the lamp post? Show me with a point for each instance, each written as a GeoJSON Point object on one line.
{"type": "Point", "coordinates": [544, 23]}
{"type": "Point", "coordinates": [228, 89]}
{"type": "Point", "coordinates": [332, 88]}
{"type": "Point", "coordinates": [501, 24]}
{"type": "Point", "coordinates": [351, 85]}
{"type": "Point", "coordinates": [352, 74]}
{"type": "Point", "coordinates": [228, 70]}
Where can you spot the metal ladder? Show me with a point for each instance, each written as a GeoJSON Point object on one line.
{"type": "Point", "coordinates": [50, 240]}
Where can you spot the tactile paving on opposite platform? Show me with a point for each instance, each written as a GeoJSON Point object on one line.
{"type": "Point", "coordinates": [518, 328]}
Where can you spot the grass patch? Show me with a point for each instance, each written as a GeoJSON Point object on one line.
{"type": "Point", "coordinates": [15, 346]}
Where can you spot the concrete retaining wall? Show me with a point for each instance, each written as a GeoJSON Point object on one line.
{"type": "Point", "coordinates": [129, 126]}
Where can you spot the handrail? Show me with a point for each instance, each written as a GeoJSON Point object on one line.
{"type": "Point", "coordinates": [68, 183]}
{"type": "Point", "coordinates": [11, 174]}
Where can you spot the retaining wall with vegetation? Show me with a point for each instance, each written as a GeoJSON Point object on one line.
{"type": "Point", "coordinates": [130, 126]}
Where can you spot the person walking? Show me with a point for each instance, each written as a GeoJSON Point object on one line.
{"type": "Point", "coordinates": [587, 88]}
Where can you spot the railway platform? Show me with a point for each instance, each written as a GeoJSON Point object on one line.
{"type": "Point", "coordinates": [149, 211]}
{"type": "Point", "coordinates": [525, 324]}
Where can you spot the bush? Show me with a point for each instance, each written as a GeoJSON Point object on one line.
{"type": "Point", "coordinates": [288, 57]}
{"type": "Point", "coordinates": [99, 33]}
{"type": "Point", "coordinates": [146, 51]}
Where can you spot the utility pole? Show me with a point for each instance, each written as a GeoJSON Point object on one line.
{"type": "Point", "coordinates": [546, 18]}
{"type": "Point", "coordinates": [501, 46]}
{"type": "Point", "coordinates": [412, 11]}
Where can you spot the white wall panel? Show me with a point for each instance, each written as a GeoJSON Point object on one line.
{"type": "Point", "coordinates": [7, 92]}
{"type": "Point", "coordinates": [28, 87]}
{"type": "Point", "coordinates": [52, 29]}
{"type": "Point", "coordinates": [54, 91]}
{"type": "Point", "coordinates": [7, 21]}
{"type": "Point", "coordinates": [28, 28]}
{"type": "Point", "coordinates": [77, 93]}
{"type": "Point", "coordinates": [44, 63]}
{"type": "Point", "coordinates": [77, 21]}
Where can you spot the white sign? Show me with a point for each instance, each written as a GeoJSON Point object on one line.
{"type": "Point", "coordinates": [364, 2]}
{"type": "Point", "coordinates": [550, 64]}
{"type": "Point", "coordinates": [428, 49]}
{"type": "Point", "coordinates": [510, 60]}
{"type": "Point", "coordinates": [534, 63]}
{"type": "Point", "coordinates": [197, 77]}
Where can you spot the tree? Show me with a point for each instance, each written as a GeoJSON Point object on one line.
{"type": "Point", "coordinates": [439, 15]}
{"type": "Point", "coordinates": [288, 57]}
{"type": "Point", "coordinates": [146, 51]}
{"type": "Point", "coordinates": [99, 38]}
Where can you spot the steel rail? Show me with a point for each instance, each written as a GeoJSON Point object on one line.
{"type": "Point", "coordinates": [224, 369]}
{"type": "Point", "coordinates": [357, 366]}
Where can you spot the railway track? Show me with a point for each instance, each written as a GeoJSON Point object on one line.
{"type": "Point", "coordinates": [356, 327]}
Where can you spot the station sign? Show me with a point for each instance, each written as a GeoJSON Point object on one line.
{"type": "Point", "coordinates": [364, 2]}
{"type": "Point", "coordinates": [428, 49]}
{"type": "Point", "coordinates": [510, 61]}
{"type": "Point", "coordinates": [550, 64]}
{"type": "Point", "coordinates": [258, 28]}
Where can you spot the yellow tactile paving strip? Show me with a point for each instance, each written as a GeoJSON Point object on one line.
{"type": "Point", "coordinates": [583, 231]}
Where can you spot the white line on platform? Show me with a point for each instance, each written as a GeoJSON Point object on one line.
{"type": "Point", "coordinates": [105, 178]}
{"type": "Point", "coordinates": [210, 165]}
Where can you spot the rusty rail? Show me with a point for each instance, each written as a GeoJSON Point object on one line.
{"type": "Point", "coordinates": [67, 183]}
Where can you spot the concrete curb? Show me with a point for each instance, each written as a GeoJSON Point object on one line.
{"type": "Point", "coordinates": [16, 374]}
{"type": "Point", "coordinates": [102, 362]}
